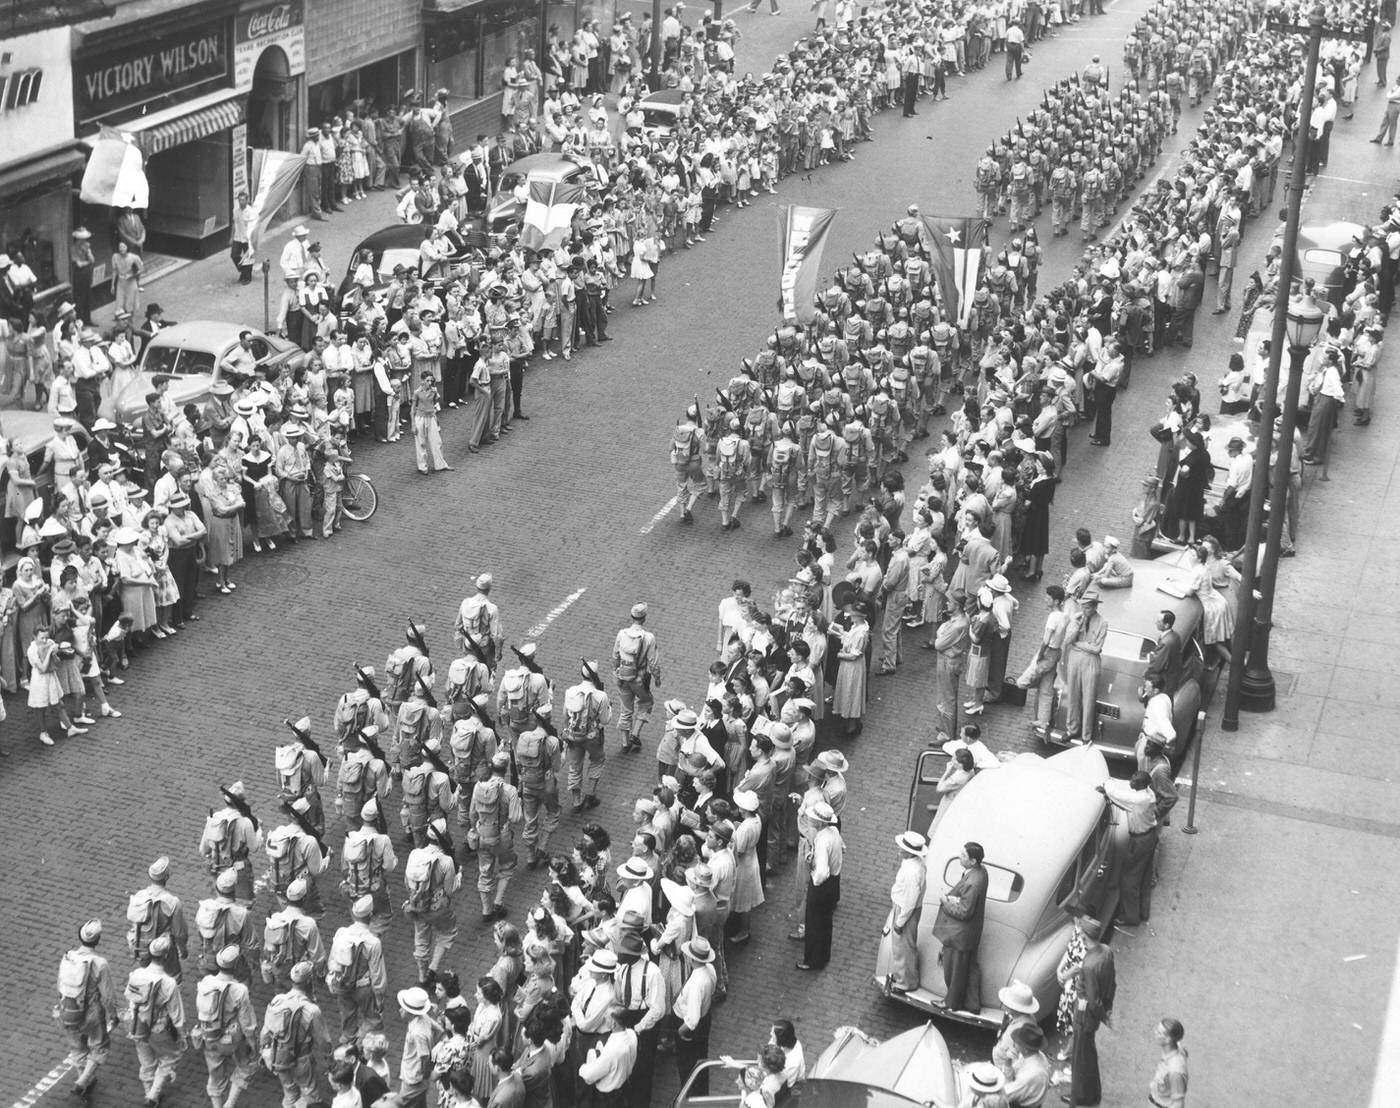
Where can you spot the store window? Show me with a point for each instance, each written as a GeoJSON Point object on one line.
{"type": "Point", "coordinates": [37, 229]}
{"type": "Point", "coordinates": [384, 82]}
{"type": "Point", "coordinates": [467, 52]}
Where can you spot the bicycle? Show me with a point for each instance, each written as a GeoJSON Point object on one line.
{"type": "Point", "coordinates": [358, 499]}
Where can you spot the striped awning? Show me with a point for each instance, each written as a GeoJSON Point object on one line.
{"type": "Point", "coordinates": [188, 128]}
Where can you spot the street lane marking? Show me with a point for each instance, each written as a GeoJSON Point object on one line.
{"type": "Point", "coordinates": [1349, 180]}
{"type": "Point", "coordinates": [554, 613]}
{"type": "Point", "coordinates": [665, 511]}
{"type": "Point", "coordinates": [47, 1082]}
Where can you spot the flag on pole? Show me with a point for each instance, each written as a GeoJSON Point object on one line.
{"type": "Point", "coordinates": [275, 174]}
{"type": "Point", "coordinates": [549, 212]}
{"type": "Point", "coordinates": [801, 235]}
{"type": "Point", "coordinates": [115, 175]}
{"type": "Point", "coordinates": [959, 251]}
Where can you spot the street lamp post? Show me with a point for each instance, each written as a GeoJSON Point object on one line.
{"type": "Point", "coordinates": [1261, 686]}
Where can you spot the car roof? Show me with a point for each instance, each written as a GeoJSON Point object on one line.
{"type": "Point", "coordinates": [199, 334]}
{"type": "Point", "coordinates": [1334, 235]}
{"type": "Point", "coordinates": [1031, 816]}
{"type": "Point", "coordinates": [1133, 611]}
{"type": "Point", "coordinates": [546, 165]}
{"type": "Point", "coordinates": [663, 96]}
{"type": "Point", "coordinates": [388, 238]}
{"type": "Point", "coordinates": [915, 1063]}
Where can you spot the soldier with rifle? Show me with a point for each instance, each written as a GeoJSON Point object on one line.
{"type": "Point", "coordinates": [587, 713]}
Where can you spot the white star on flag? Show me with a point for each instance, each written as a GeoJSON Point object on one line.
{"type": "Point", "coordinates": [954, 235]}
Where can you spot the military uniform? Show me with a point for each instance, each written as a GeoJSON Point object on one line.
{"type": "Point", "coordinates": [686, 447]}
{"type": "Point", "coordinates": [355, 975]}
{"type": "Point", "coordinates": [366, 859]}
{"type": "Point", "coordinates": [431, 878]}
{"type": "Point", "coordinates": [826, 458]}
{"type": "Point", "coordinates": [290, 936]}
{"type": "Point", "coordinates": [587, 713]}
{"type": "Point", "coordinates": [226, 1030]}
{"type": "Point", "coordinates": [522, 693]}
{"type": "Point", "coordinates": [537, 762]}
{"type": "Point", "coordinates": [495, 810]}
{"type": "Point", "coordinates": [732, 464]}
{"type": "Point", "coordinates": [636, 666]}
{"type": "Point", "coordinates": [154, 1016]}
{"type": "Point", "coordinates": [221, 923]}
{"type": "Point", "coordinates": [1091, 193]}
{"type": "Point", "coordinates": [783, 461]}
{"type": "Point", "coordinates": [480, 618]}
{"type": "Point", "coordinates": [229, 838]}
{"type": "Point", "coordinates": [294, 1042]}
{"type": "Point", "coordinates": [155, 912]}
{"type": "Point", "coordinates": [87, 1006]}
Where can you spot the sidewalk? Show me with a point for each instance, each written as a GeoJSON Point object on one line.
{"type": "Point", "coordinates": [1275, 941]}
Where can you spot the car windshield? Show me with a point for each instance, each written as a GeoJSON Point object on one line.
{"type": "Point", "coordinates": [1002, 884]}
{"type": "Point", "coordinates": [1120, 644]}
{"type": "Point", "coordinates": [161, 359]}
{"type": "Point", "coordinates": [406, 256]}
{"type": "Point", "coordinates": [659, 115]}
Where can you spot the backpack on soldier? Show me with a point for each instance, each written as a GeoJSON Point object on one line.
{"type": "Point", "coordinates": [411, 730]}
{"type": "Point", "coordinates": [684, 444]}
{"type": "Point", "coordinates": [476, 620]}
{"type": "Point", "coordinates": [823, 453]}
{"type": "Point", "coordinates": [282, 1034]}
{"type": "Point", "coordinates": [629, 653]}
{"type": "Point", "coordinates": [530, 758]}
{"type": "Point", "coordinates": [421, 884]}
{"type": "Point", "coordinates": [730, 464]}
{"type": "Point", "coordinates": [283, 943]}
{"type": "Point", "coordinates": [416, 781]}
{"type": "Point", "coordinates": [74, 980]}
{"type": "Point", "coordinates": [216, 843]}
{"type": "Point", "coordinates": [986, 174]}
{"type": "Point", "coordinates": [580, 715]}
{"type": "Point", "coordinates": [290, 780]}
{"type": "Point", "coordinates": [347, 962]}
{"type": "Point", "coordinates": [399, 671]}
{"type": "Point", "coordinates": [783, 462]}
{"type": "Point", "coordinates": [279, 852]}
{"type": "Point", "coordinates": [515, 684]}
{"type": "Point", "coordinates": [354, 783]}
{"type": "Point", "coordinates": [210, 921]}
{"type": "Point", "coordinates": [141, 1008]}
{"type": "Point", "coordinates": [149, 916]}
{"type": "Point", "coordinates": [359, 864]}
{"type": "Point", "coordinates": [210, 1010]}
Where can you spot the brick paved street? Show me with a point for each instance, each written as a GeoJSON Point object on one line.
{"type": "Point", "coordinates": [566, 503]}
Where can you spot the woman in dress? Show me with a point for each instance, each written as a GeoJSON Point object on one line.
{"type": "Point", "coordinates": [1067, 973]}
{"type": "Point", "coordinates": [19, 490]}
{"type": "Point", "coordinates": [219, 494]}
{"type": "Point", "coordinates": [511, 85]}
{"type": "Point", "coordinates": [1193, 477]}
{"type": "Point", "coordinates": [1035, 531]}
{"type": "Point", "coordinates": [45, 692]}
{"type": "Point", "coordinates": [848, 696]}
{"type": "Point", "coordinates": [539, 982]}
{"type": "Point", "coordinates": [156, 548]}
{"type": "Point", "coordinates": [10, 653]}
{"type": "Point", "coordinates": [310, 297]}
{"type": "Point", "coordinates": [31, 598]}
{"type": "Point", "coordinates": [452, 1056]}
{"type": "Point", "coordinates": [359, 160]}
{"type": "Point", "coordinates": [486, 1032]}
{"type": "Point", "coordinates": [1147, 513]}
{"type": "Point", "coordinates": [1222, 579]}
{"type": "Point", "coordinates": [269, 518]}
{"type": "Point", "coordinates": [126, 279]}
{"type": "Point", "coordinates": [138, 582]}
{"type": "Point", "coordinates": [748, 875]}
{"type": "Point", "coordinates": [643, 272]}
{"type": "Point", "coordinates": [508, 970]}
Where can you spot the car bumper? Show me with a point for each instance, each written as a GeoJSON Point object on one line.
{"type": "Point", "coordinates": [1109, 748]}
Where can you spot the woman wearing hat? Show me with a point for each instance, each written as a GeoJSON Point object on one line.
{"type": "Point", "coordinates": [136, 577]}
{"type": "Point", "coordinates": [19, 490]}
{"type": "Point", "coordinates": [156, 547]}
{"type": "Point", "coordinates": [1193, 477]}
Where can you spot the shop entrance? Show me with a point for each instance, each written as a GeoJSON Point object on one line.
{"type": "Point", "coordinates": [272, 103]}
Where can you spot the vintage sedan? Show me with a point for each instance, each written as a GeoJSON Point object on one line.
{"type": "Point", "coordinates": [506, 210]}
{"type": "Point", "coordinates": [661, 112]}
{"type": "Point", "coordinates": [1324, 252]}
{"type": "Point", "coordinates": [195, 355]}
{"type": "Point", "coordinates": [1131, 614]}
{"type": "Point", "coordinates": [397, 245]}
{"type": "Point", "coordinates": [1054, 847]}
{"type": "Point", "coordinates": [911, 1070]}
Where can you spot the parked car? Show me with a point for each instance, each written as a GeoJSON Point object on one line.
{"type": "Point", "coordinates": [397, 245]}
{"type": "Point", "coordinates": [505, 209]}
{"type": "Point", "coordinates": [195, 355]}
{"type": "Point", "coordinates": [1325, 250]}
{"type": "Point", "coordinates": [661, 111]}
{"type": "Point", "coordinates": [1131, 614]}
{"type": "Point", "coordinates": [1054, 846]}
{"type": "Point", "coordinates": [912, 1070]}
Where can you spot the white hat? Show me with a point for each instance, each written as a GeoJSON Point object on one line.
{"type": "Point", "coordinates": [747, 800]}
{"type": "Point", "coordinates": [300, 230]}
{"type": "Point", "coordinates": [484, 581]}
{"type": "Point", "coordinates": [911, 842]}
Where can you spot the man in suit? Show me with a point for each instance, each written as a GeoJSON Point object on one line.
{"type": "Point", "coordinates": [1166, 656]}
{"type": "Point", "coordinates": [1097, 984]}
{"type": "Point", "coordinates": [1187, 292]}
{"type": "Point", "coordinates": [959, 928]}
{"type": "Point", "coordinates": [534, 1065]}
{"type": "Point", "coordinates": [976, 565]}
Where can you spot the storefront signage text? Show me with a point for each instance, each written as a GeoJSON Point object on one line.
{"type": "Point", "coordinates": [141, 72]}
{"type": "Point", "coordinates": [281, 25]}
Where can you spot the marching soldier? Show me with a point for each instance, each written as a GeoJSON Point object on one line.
{"type": "Point", "coordinates": [154, 1016]}
{"type": "Point", "coordinates": [427, 793]}
{"type": "Point", "coordinates": [294, 1044]}
{"type": "Point", "coordinates": [364, 774]}
{"type": "Point", "coordinates": [416, 723]}
{"type": "Point", "coordinates": [301, 771]}
{"type": "Point", "coordinates": [480, 618]}
{"type": "Point", "coordinates": [87, 1006]}
{"type": "Point", "coordinates": [222, 923]}
{"type": "Point", "coordinates": [783, 463]}
{"type": "Point", "coordinates": [361, 707]}
{"type": "Point", "coordinates": [366, 858]}
{"type": "Point", "coordinates": [467, 678]}
{"type": "Point", "coordinates": [537, 763]}
{"type": "Point", "coordinates": [290, 937]}
{"type": "Point", "coordinates": [826, 462]}
{"type": "Point", "coordinates": [495, 810]}
{"type": "Point", "coordinates": [524, 691]}
{"type": "Point", "coordinates": [231, 834]}
{"type": "Point", "coordinates": [1091, 194]}
{"type": "Point", "coordinates": [473, 746]}
{"type": "Point", "coordinates": [430, 878]}
{"type": "Point", "coordinates": [760, 430]}
{"type": "Point", "coordinates": [636, 666]}
{"type": "Point", "coordinates": [355, 974]}
{"type": "Point", "coordinates": [403, 667]}
{"type": "Point", "coordinates": [154, 912]}
{"type": "Point", "coordinates": [587, 713]}
{"type": "Point", "coordinates": [1063, 187]}
{"type": "Point", "coordinates": [226, 1029]}
{"type": "Point", "coordinates": [855, 467]}
{"type": "Point", "coordinates": [296, 851]}
{"type": "Point", "coordinates": [686, 458]}
{"type": "Point", "coordinates": [731, 464]}
{"type": "Point", "coordinates": [1021, 192]}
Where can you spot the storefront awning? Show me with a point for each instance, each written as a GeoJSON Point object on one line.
{"type": "Point", "coordinates": [194, 119]}
{"type": "Point", "coordinates": [62, 162]}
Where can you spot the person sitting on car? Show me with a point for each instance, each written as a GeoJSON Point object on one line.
{"type": "Point", "coordinates": [1116, 571]}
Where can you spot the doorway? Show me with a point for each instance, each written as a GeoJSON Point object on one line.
{"type": "Point", "coordinates": [272, 104]}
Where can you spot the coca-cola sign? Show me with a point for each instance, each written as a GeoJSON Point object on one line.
{"type": "Point", "coordinates": [269, 22]}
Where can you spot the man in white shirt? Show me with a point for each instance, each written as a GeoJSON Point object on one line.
{"type": "Point", "coordinates": [641, 994]}
{"type": "Point", "coordinates": [1324, 114]}
{"type": "Point", "coordinates": [692, 1010]}
{"type": "Point", "coordinates": [594, 996]}
{"type": "Point", "coordinates": [608, 1066]}
{"type": "Point", "coordinates": [293, 262]}
{"type": "Point", "coordinates": [824, 887]}
{"type": "Point", "coordinates": [1234, 501]}
{"type": "Point", "coordinates": [1139, 804]}
{"type": "Point", "coordinates": [1156, 716]}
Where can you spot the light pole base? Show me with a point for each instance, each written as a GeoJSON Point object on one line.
{"type": "Point", "coordinates": [1257, 691]}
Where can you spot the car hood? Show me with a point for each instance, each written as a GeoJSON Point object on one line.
{"type": "Point", "coordinates": [915, 1064]}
